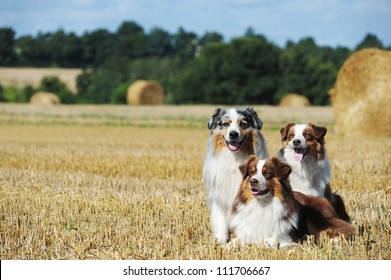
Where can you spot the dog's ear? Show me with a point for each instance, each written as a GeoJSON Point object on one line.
{"type": "Point", "coordinates": [257, 121]}
{"type": "Point", "coordinates": [244, 167]}
{"type": "Point", "coordinates": [320, 131]}
{"type": "Point", "coordinates": [282, 169]}
{"type": "Point", "coordinates": [213, 121]}
{"type": "Point", "coordinates": [284, 131]}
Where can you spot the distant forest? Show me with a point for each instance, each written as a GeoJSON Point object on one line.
{"type": "Point", "coordinates": [192, 69]}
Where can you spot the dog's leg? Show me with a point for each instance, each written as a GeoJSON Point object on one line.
{"type": "Point", "coordinates": [337, 202]}
{"type": "Point", "coordinates": [218, 220]}
{"type": "Point", "coordinates": [276, 243]}
{"type": "Point", "coordinates": [339, 207]}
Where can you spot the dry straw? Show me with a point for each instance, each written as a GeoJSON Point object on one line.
{"type": "Point", "coordinates": [145, 92]}
{"type": "Point", "coordinates": [45, 98]}
{"type": "Point", "coordinates": [362, 94]}
{"type": "Point", "coordinates": [294, 100]}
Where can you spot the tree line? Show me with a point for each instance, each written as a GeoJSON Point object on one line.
{"type": "Point", "coordinates": [193, 69]}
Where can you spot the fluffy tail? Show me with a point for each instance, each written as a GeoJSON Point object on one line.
{"type": "Point", "coordinates": [321, 217]}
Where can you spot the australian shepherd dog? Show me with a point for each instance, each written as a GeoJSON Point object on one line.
{"type": "Point", "coordinates": [267, 210]}
{"type": "Point", "coordinates": [303, 148]}
{"type": "Point", "coordinates": [234, 135]}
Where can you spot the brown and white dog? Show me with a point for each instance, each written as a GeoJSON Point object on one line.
{"type": "Point", "coordinates": [234, 135]}
{"type": "Point", "coordinates": [267, 210]}
{"type": "Point", "coordinates": [303, 148]}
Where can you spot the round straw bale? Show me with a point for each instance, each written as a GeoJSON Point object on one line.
{"type": "Point", "coordinates": [294, 100]}
{"type": "Point", "coordinates": [361, 96]}
{"type": "Point", "coordinates": [44, 98]}
{"type": "Point", "coordinates": [145, 92]}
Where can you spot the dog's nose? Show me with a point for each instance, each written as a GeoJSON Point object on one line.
{"type": "Point", "coordinates": [233, 135]}
{"type": "Point", "coordinates": [296, 142]}
{"type": "Point", "coordinates": [253, 182]}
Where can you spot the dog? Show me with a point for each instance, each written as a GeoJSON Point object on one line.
{"type": "Point", "coordinates": [267, 210]}
{"type": "Point", "coordinates": [303, 148]}
{"type": "Point", "coordinates": [235, 134]}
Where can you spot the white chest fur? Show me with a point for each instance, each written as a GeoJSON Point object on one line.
{"type": "Point", "coordinates": [223, 186]}
{"type": "Point", "coordinates": [254, 223]}
{"type": "Point", "coordinates": [308, 176]}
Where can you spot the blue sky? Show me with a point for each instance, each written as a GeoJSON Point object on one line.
{"type": "Point", "coordinates": [329, 22]}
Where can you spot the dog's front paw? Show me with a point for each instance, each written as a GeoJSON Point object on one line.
{"type": "Point", "coordinates": [274, 243]}
{"type": "Point", "coordinates": [222, 239]}
{"type": "Point", "coordinates": [270, 242]}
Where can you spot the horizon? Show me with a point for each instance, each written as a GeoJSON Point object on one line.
{"type": "Point", "coordinates": [329, 23]}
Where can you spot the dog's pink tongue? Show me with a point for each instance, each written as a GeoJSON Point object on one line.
{"type": "Point", "coordinates": [233, 146]}
{"type": "Point", "coordinates": [298, 156]}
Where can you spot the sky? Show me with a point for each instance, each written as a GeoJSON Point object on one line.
{"type": "Point", "coordinates": [330, 22]}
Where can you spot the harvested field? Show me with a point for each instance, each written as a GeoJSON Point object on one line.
{"type": "Point", "coordinates": [31, 76]}
{"type": "Point", "coordinates": [124, 182]}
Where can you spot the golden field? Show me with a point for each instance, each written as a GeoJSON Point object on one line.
{"type": "Point", "coordinates": [31, 76]}
{"type": "Point", "coordinates": [122, 182]}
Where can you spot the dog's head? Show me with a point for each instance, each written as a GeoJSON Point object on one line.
{"type": "Point", "coordinates": [263, 178]}
{"type": "Point", "coordinates": [232, 126]}
{"type": "Point", "coordinates": [304, 140]}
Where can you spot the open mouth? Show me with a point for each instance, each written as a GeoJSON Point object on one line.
{"type": "Point", "coordinates": [234, 146]}
{"type": "Point", "coordinates": [257, 192]}
{"type": "Point", "coordinates": [299, 154]}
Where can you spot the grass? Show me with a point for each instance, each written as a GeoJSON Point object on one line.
{"type": "Point", "coordinates": [119, 182]}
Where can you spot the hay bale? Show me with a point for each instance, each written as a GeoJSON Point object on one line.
{"type": "Point", "coordinates": [361, 96]}
{"type": "Point", "coordinates": [294, 100]}
{"type": "Point", "coordinates": [145, 92]}
{"type": "Point", "coordinates": [44, 98]}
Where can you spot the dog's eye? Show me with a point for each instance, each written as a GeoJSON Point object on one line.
{"type": "Point", "coordinates": [268, 174]}
{"type": "Point", "coordinates": [226, 124]}
{"type": "Point", "coordinates": [291, 136]}
{"type": "Point", "coordinates": [308, 137]}
{"type": "Point", "coordinates": [244, 125]}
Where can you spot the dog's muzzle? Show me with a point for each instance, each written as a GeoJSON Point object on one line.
{"type": "Point", "coordinates": [234, 142]}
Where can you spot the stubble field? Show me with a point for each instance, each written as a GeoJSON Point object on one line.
{"type": "Point", "coordinates": [119, 182]}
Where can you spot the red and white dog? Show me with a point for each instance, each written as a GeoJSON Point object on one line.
{"type": "Point", "coordinates": [303, 148]}
{"type": "Point", "coordinates": [234, 135]}
{"type": "Point", "coordinates": [267, 210]}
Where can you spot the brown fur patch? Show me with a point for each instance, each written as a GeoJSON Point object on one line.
{"type": "Point", "coordinates": [338, 204]}
{"type": "Point", "coordinates": [248, 166]}
{"type": "Point", "coordinates": [285, 131]}
{"type": "Point", "coordinates": [314, 136]}
{"type": "Point", "coordinates": [276, 189]}
{"type": "Point", "coordinates": [244, 195]}
{"type": "Point", "coordinates": [219, 142]}
{"type": "Point", "coordinates": [248, 143]}
{"type": "Point", "coordinates": [321, 217]}
{"type": "Point", "coordinates": [274, 171]}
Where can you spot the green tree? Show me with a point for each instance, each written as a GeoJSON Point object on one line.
{"type": "Point", "coordinates": [211, 37]}
{"type": "Point", "coordinates": [97, 47]}
{"type": "Point", "coordinates": [370, 41]}
{"type": "Point", "coordinates": [305, 72]}
{"type": "Point", "coordinates": [35, 51]}
{"type": "Point", "coordinates": [66, 49]}
{"type": "Point", "coordinates": [98, 85]}
{"type": "Point", "coordinates": [2, 98]}
{"type": "Point", "coordinates": [119, 93]}
{"type": "Point", "coordinates": [55, 85]}
{"type": "Point", "coordinates": [245, 71]}
{"type": "Point", "coordinates": [185, 44]}
{"type": "Point", "coordinates": [132, 41]}
{"type": "Point", "coordinates": [159, 43]}
{"type": "Point", "coordinates": [336, 56]}
{"type": "Point", "coordinates": [7, 45]}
